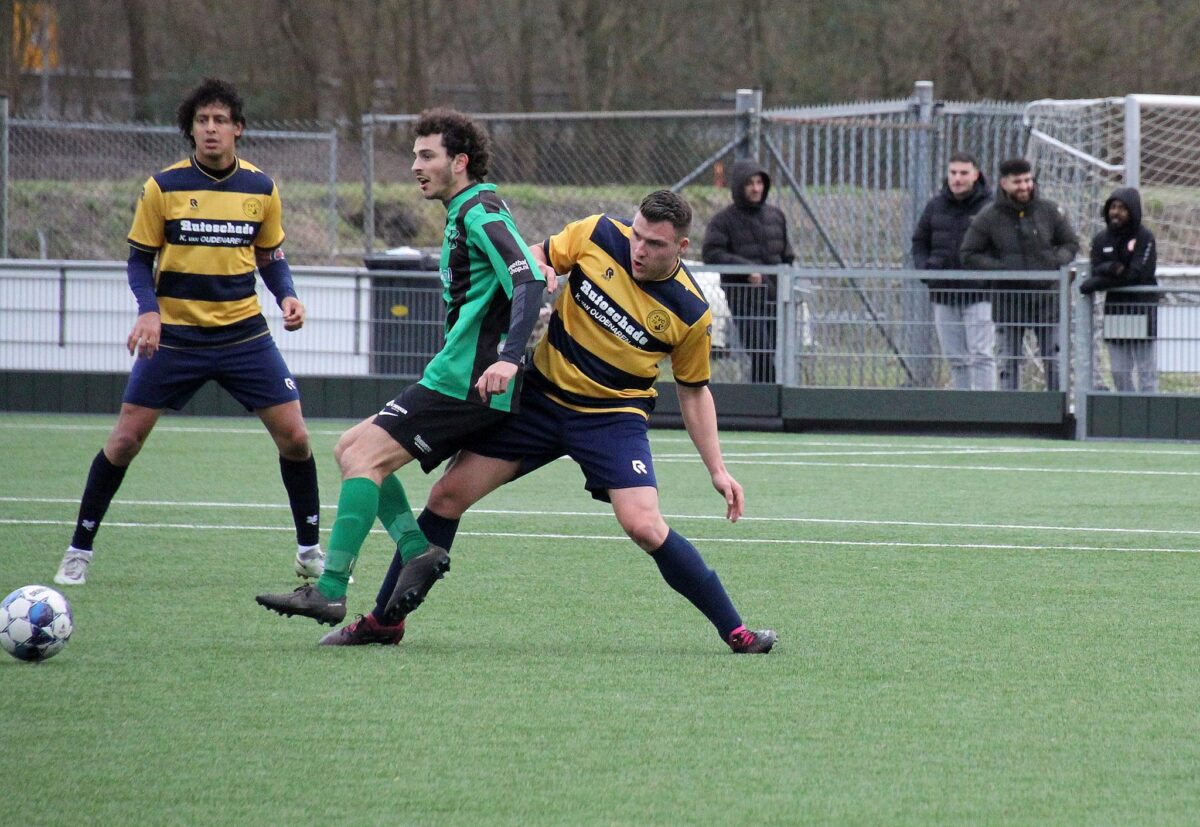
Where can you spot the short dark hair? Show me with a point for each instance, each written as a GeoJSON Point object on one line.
{"type": "Point", "coordinates": [961, 157]}
{"type": "Point", "coordinates": [664, 205]}
{"type": "Point", "coordinates": [1014, 166]}
{"type": "Point", "coordinates": [460, 135]}
{"type": "Point", "coordinates": [210, 91]}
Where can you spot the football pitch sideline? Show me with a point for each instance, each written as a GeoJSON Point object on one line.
{"type": "Point", "coordinates": [972, 631]}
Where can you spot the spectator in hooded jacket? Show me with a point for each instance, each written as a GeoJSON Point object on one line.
{"type": "Point", "coordinates": [1123, 255]}
{"type": "Point", "coordinates": [750, 231]}
{"type": "Point", "coordinates": [1020, 230]}
{"type": "Point", "coordinates": [962, 310]}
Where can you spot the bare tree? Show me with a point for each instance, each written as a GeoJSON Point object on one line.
{"type": "Point", "coordinates": [139, 59]}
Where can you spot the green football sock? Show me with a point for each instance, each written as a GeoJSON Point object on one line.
{"type": "Point", "coordinates": [358, 504]}
{"type": "Point", "coordinates": [396, 515]}
{"type": "Point", "coordinates": [394, 511]}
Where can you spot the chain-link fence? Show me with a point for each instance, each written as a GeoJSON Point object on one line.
{"type": "Point", "coordinates": [551, 168]}
{"type": "Point", "coordinates": [809, 327]}
{"type": "Point", "coordinates": [71, 187]}
{"type": "Point", "coordinates": [851, 178]}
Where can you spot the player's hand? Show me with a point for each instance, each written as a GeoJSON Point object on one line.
{"type": "Point", "coordinates": [731, 490]}
{"type": "Point", "coordinates": [551, 277]}
{"type": "Point", "coordinates": [496, 378]}
{"type": "Point", "coordinates": [293, 313]}
{"type": "Point", "coordinates": [143, 339]}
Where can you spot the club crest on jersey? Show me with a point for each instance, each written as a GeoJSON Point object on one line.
{"type": "Point", "coordinates": [608, 274]}
{"type": "Point", "coordinates": [658, 321]}
{"type": "Point", "coordinates": [252, 207]}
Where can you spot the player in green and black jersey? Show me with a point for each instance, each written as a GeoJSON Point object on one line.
{"type": "Point", "coordinates": [492, 286]}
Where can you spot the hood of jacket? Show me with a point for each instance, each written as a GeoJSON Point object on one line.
{"type": "Point", "coordinates": [979, 193]}
{"type": "Point", "coordinates": [739, 174]}
{"type": "Point", "coordinates": [1132, 199]}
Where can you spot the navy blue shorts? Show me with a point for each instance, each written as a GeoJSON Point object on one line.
{"type": "Point", "coordinates": [613, 449]}
{"type": "Point", "coordinates": [253, 372]}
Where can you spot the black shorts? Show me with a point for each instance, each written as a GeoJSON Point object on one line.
{"type": "Point", "coordinates": [432, 426]}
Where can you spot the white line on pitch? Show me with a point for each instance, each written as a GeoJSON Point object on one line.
{"type": "Point", "coordinates": [612, 538]}
{"type": "Point", "coordinates": [607, 515]}
{"type": "Point", "coordinates": [788, 440]}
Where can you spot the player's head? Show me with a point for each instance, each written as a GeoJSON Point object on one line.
{"type": "Point", "coordinates": [659, 235]}
{"type": "Point", "coordinates": [962, 172]}
{"type": "Point", "coordinates": [210, 93]}
{"type": "Point", "coordinates": [1016, 179]}
{"type": "Point", "coordinates": [448, 145]}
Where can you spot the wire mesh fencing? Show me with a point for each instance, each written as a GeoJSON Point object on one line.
{"type": "Point", "coordinates": [71, 187]}
{"type": "Point", "coordinates": [811, 328]}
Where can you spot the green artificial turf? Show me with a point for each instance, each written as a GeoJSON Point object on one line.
{"type": "Point", "coordinates": [972, 631]}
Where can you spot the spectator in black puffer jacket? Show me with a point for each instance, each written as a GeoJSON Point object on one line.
{"type": "Point", "coordinates": [1020, 230]}
{"type": "Point", "coordinates": [962, 310]}
{"type": "Point", "coordinates": [1124, 255]}
{"type": "Point", "coordinates": [750, 231]}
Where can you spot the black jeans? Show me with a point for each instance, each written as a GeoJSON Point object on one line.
{"type": "Point", "coordinates": [752, 307]}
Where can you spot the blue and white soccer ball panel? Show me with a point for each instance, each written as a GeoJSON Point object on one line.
{"type": "Point", "coordinates": [35, 623]}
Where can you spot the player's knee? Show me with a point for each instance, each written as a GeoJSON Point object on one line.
{"type": "Point", "coordinates": [648, 531]}
{"type": "Point", "coordinates": [293, 444]}
{"type": "Point", "coordinates": [343, 443]}
{"type": "Point", "coordinates": [123, 445]}
{"type": "Point", "coordinates": [446, 500]}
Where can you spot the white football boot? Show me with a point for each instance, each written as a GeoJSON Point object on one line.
{"type": "Point", "coordinates": [72, 571]}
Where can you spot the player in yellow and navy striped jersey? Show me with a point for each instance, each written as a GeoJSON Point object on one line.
{"type": "Point", "coordinates": [629, 301]}
{"type": "Point", "coordinates": [202, 228]}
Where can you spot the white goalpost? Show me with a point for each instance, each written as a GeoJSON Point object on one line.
{"type": "Point", "coordinates": [1083, 149]}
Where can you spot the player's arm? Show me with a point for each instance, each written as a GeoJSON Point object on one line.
{"type": "Point", "coordinates": [517, 269]}
{"type": "Point", "coordinates": [147, 328]}
{"type": "Point", "coordinates": [146, 238]}
{"type": "Point", "coordinates": [700, 420]}
{"type": "Point", "coordinates": [277, 275]}
{"type": "Point", "coordinates": [539, 257]}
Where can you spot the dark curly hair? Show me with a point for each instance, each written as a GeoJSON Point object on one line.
{"type": "Point", "coordinates": [210, 91]}
{"type": "Point", "coordinates": [664, 205]}
{"type": "Point", "coordinates": [460, 135]}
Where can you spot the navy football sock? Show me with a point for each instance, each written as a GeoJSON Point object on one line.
{"type": "Point", "coordinates": [103, 480]}
{"type": "Point", "coordinates": [300, 480]}
{"type": "Point", "coordinates": [685, 571]}
{"type": "Point", "coordinates": [438, 530]}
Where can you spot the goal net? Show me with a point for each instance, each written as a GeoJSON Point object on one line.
{"type": "Point", "coordinates": [1083, 149]}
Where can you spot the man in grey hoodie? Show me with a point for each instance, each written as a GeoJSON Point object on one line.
{"type": "Point", "coordinates": [750, 231]}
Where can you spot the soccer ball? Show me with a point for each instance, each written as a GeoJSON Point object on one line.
{"type": "Point", "coordinates": [35, 623]}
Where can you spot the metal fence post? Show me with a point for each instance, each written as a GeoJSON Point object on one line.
{"type": "Point", "coordinates": [1133, 142]}
{"type": "Point", "coordinates": [749, 123]}
{"type": "Point", "coordinates": [368, 144]}
{"type": "Point", "coordinates": [787, 349]}
{"type": "Point", "coordinates": [4, 176]}
{"type": "Point", "coordinates": [922, 178]}
{"type": "Point", "coordinates": [1065, 276]}
{"type": "Point", "coordinates": [915, 304]}
{"type": "Point", "coordinates": [333, 199]}
{"type": "Point", "coordinates": [1083, 361]}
